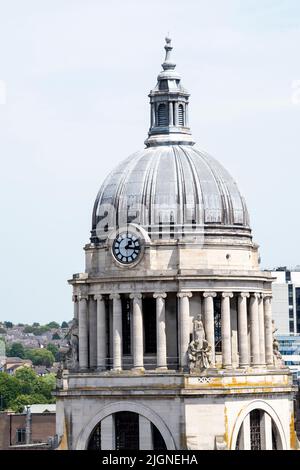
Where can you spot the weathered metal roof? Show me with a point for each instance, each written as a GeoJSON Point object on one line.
{"type": "Point", "coordinates": [175, 184]}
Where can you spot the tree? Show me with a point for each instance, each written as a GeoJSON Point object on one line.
{"type": "Point", "coordinates": [40, 357]}
{"type": "Point", "coordinates": [25, 388]}
{"type": "Point", "coordinates": [55, 351]}
{"type": "Point", "coordinates": [35, 324]}
{"type": "Point", "coordinates": [16, 350]}
{"type": "Point", "coordinates": [64, 325]}
{"type": "Point", "coordinates": [2, 331]}
{"type": "Point", "coordinates": [8, 324]}
{"type": "Point", "coordinates": [53, 325]}
{"type": "Point", "coordinates": [55, 336]}
{"type": "Point", "coordinates": [19, 402]}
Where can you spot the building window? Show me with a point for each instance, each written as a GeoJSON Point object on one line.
{"type": "Point", "coordinates": [126, 325]}
{"type": "Point", "coordinates": [127, 430]}
{"type": "Point", "coordinates": [291, 296]}
{"type": "Point", "coordinates": [162, 115]}
{"type": "Point", "coordinates": [180, 115]}
{"type": "Point", "coordinates": [291, 326]}
{"type": "Point", "coordinates": [21, 436]}
{"type": "Point", "coordinates": [255, 435]}
{"type": "Point", "coordinates": [149, 317]}
{"type": "Point", "coordinates": [287, 276]}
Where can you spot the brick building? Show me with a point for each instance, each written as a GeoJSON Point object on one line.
{"type": "Point", "coordinates": [35, 429]}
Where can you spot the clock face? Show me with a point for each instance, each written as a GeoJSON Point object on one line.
{"type": "Point", "coordinates": [126, 247]}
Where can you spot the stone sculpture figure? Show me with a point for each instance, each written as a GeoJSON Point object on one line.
{"type": "Point", "coordinates": [71, 355]}
{"type": "Point", "coordinates": [278, 361]}
{"type": "Point", "coordinates": [199, 349]}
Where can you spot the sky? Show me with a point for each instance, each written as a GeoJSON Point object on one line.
{"type": "Point", "coordinates": [74, 80]}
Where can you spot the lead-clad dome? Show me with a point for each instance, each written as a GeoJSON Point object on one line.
{"type": "Point", "coordinates": [169, 185]}
{"type": "Point", "coordinates": [170, 188]}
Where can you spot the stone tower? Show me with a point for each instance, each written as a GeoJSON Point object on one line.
{"type": "Point", "coordinates": [172, 341]}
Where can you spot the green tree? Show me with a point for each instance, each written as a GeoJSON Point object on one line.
{"type": "Point", "coordinates": [53, 325]}
{"type": "Point", "coordinates": [64, 325]}
{"type": "Point", "coordinates": [55, 351]}
{"type": "Point", "coordinates": [55, 336]}
{"type": "Point", "coordinates": [40, 357]}
{"type": "Point", "coordinates": [25, 388]}
{"type": "Point", "coordinates": [9, 388]}
{"type": "Point", "coordinates": [35, 324]}
{"type": "Point", "coordinates": [8, 324]}
{"type": "Point", "coordinates": [20, 401]}
{"type": "Point", "coordinates": [16, 350]}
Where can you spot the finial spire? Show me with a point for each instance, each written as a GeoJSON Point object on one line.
{"type": "Point", "coordinates": [168, 65]}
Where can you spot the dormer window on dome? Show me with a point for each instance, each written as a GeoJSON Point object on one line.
{"type": "Point", "coordinates": [169, 103]}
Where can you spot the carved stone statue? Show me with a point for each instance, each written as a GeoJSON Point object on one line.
{"type": "Point", "coordinates": [278, 361]}
{"type": "Point", "coordinates": [199, 350]}
{"type": "Point", "coordinates": [71, 354]}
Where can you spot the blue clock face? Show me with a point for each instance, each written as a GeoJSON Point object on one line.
{"type": "Point", "coordinates": [126, 248]}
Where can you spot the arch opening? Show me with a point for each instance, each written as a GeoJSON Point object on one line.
{"type": "Point", "coordinates": [126, 430]}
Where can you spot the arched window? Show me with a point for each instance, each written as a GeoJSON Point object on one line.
{"type": "Point", "coordinates": [258, 432]}
{"type": "Point", "coordinates": [126, 433]}
{"type": "Point", "coordinates": [162, 115]}
{"type": "Point", "coordinates": [255, 431]}
{"type": "Point", "coordinates": [180, 115]}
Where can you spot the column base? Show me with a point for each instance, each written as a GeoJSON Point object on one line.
{"type": "Point", "coordinates": [116, 369]}
{"type": "Point", "coordinates": [138, 369]}
{"type": "Point", "coordinates": [161, 369]}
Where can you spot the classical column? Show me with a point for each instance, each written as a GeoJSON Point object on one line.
{"type": "Point", "coordinates": [243, 329]}
{"type": "Point", "coordinates": [92, 320]}
{"type": "Point", "coordinates": [268, 330]}
{"type": "Point", "coordinates": [101, 332]}
{"type": "Point", "coordinates": [184, 321]}
{"type": "Point", "coordinates": [138, 332]}
{"type": "Point", "coordinates": [117, 331]}
{"type": "Point", "coordinates": [83, 332]}
{"type": "Point", "coordinates": [176, 113]}
{"type": "Point", "coordinates": [186, 114]}
{"type": "Point", "coordinates": [261, 322]}
{"type": "Point", "coordinates": [108, 433]}
{"type": "Point", "coordinates": [161, 339]}
{"type": "Point", "coordinates": [171, 121]}
{"type": "Point", "coordinates": [152, 115]}
{"type": "Point", "coordinates": [266, 431]}
{"type": "Point", "coordinates": [76, 306]}
{"type": "Point", "coordinates": [226, 329]}
{"type": "Point", "coordinates": [209, 322]}
{"type": "Point", "coordinates": [145, 434]}
{"type": "Point", "coordinates": [254, 330]}
{"type": "Point", "coordinates": [245, 442]}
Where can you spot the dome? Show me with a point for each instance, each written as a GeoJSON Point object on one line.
{"type": "Point", "coordinates": [169, 186]}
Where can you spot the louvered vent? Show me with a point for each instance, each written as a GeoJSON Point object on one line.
{"type": "Point", "coordinates": [162, 115]}
{"type": "Point", "coordinates": [180, 115]}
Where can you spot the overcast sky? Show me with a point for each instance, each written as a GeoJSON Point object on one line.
{"type": "Point", "coordinates": [74, 79]}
